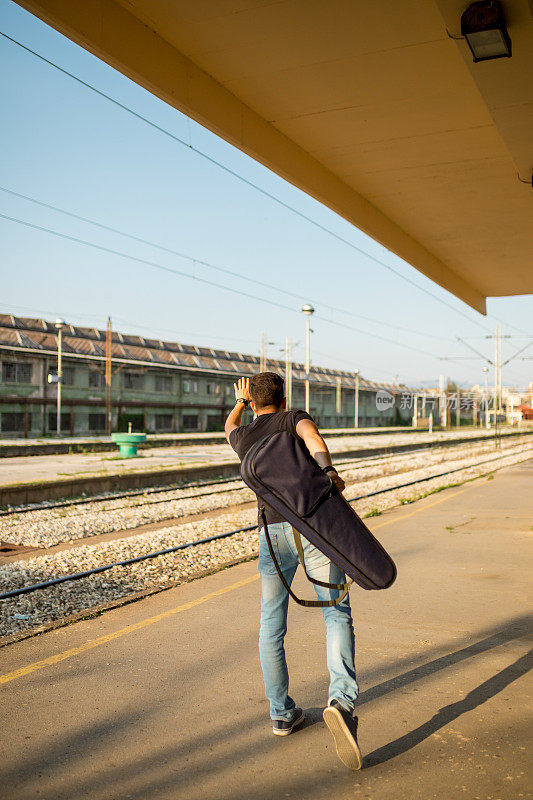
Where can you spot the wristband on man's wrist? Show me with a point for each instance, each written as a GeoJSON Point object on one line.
{"type": "Point", "coordinates": [329, 468]}
{"type": "Point", "coordinates": [245, 403]}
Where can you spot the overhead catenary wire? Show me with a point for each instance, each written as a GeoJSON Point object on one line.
{"type": "Point", "coordinates": [182, 274]}
{"type": "Point", "coordinates": [145, 261]}
{"type": "Point", "coordinates": [198, 261]}
{"type": "Point", "coordinates": [241, 178]}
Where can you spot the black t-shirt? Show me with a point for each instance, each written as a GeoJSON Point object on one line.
{"type": "Point", "coordinates": [241, 439]}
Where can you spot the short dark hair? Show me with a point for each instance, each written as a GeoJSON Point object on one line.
{"type": "Point", "coordinates": [267, 389]}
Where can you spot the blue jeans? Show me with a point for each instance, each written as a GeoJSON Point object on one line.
{"type": "Point", "coordinates": [274, 605]}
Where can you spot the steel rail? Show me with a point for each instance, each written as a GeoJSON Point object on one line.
{"type": "Point", "coordinates": [430, 478]}
{"type": "Point", "coordinates": [140, 492]}
{"type": "Point", "coordinates": [443, 446]}
{"type": "Point", "coordinates": [137, 559]}
{"type": "Point", "coordinates": [156, 502]}
{"type": "Point", "coordinates": [44, 506]}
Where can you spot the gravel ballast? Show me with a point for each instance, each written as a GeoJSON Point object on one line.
{"type": "Point", "coordinates": [44, 606]}
{"type": "Point", "coordinates": [68, 598]}
{"type": "Point", "coordinates": [46, 527]}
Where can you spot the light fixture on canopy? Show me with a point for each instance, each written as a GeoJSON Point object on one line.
{"type": "Point", "coordinates": [483, 26]}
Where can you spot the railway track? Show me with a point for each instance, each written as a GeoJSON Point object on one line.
{"type": "Point", "coordinates": [393, 452]}
{"type": "Point", "coordinates": [226, 534]}
{"type": "Point", "coordinates": [79, 501]}
{"type": "Point", "coordinates": [43, 527]}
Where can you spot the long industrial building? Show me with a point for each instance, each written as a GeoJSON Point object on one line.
{"type": "Point", "coordinates": [158, 386]}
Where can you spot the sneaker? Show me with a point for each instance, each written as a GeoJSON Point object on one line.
{"type": "Point", "coordinates": [282, 727]}
{"type": "Point", "coordinates": [343, 726]}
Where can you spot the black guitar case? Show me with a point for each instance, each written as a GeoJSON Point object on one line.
{"type": "Point", "coordinates": [281, 471]}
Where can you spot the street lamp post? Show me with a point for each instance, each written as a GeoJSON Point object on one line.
{"type": "Point", "coordinates": [487, 418]}
{"type": "Point", "coordinates": [288, 371]}
{"type": "Point", "coordinates": [308, 310]}
{"type": "Point", "coordinates": [356, 405]}
{"type": "Point", "coordinates": [59, 324]}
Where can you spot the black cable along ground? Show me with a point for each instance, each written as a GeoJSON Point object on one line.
{"type": "Point", "coordinates": [137, 559]}
{"type": "Point", "coordinates": [446, 445]}
{"type": "Point", "coordinates": [126, 562]}
{"type": "Point", "coordinates": [431, 477]}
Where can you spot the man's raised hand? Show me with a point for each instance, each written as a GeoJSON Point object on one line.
{"type": "Point", "coordinates": [242, 389]}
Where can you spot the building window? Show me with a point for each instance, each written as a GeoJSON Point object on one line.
{"type": "Point", "coordinates": [96, 422]}
{"type": "Point", "coordinates": [96, 379]}
{"type": "Point", "coordinates": [190, 387]}
{"type": "Point", "coordinates": [13, 372]}
{"type": "Point", "coordinates": [214, 423]}
{"type": "Point", "coordinates": [190, 422]}
{"type": "Point", "coordinates": [163, 422]}
{"type": "Point", "coordinates": [227, 389]}
{"type": "Point", "coordinates": [52, 421]}
{"type": "Point", "coordinates": [213, 388]}
{"type": "Point", "coordinates": [133, 380]}
{"type": "Point", "coordinates": [13, 421]}
{"type": "Point", "coordinates": [163, 383]}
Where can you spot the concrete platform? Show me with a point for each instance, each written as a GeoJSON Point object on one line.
{"type": "Point", "coordinates": [62, 445]}
{"type": "Point", "coordinates": [30, 479]}
{"type": "Point", "coordinates": [163, 699]}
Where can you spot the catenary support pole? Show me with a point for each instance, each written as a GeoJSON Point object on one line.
{"type": "Point", "coordinates": [59, 323]}
{"type": "Point", "coordinates": [108, 377]}
{"type": "Point", "coordinates": [356, 404]}
{"type": "Point", "coordinates": [308, 310]}
{"type": "Point", "coordinates": [288, 372]}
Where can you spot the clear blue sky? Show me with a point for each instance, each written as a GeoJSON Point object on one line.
{"type": "Point", "coordinates": [64, 145]}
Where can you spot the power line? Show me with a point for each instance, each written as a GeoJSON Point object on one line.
{"type": "Point", "coordinates": [508, 324]}
{"type": "Point", "coordinates": [239, 177]}
{"type": "Point", "coordinates": [134, 238]}
{"type": "Point", "coordinates": [182, 274]}
{"type": "Point", "coordinates": [145, 261]}
{"type": "Point", "coordinates": [98, 315]}
{"type": "Point", "coordinates": [55, 311]}
{"type": "Point", "coordinates": [181, 333]}
{"type": "Point", "coordinates": [240, 276]}
{"type": "Point", "coordinates": [373, 335]}
{"type": "Point", "coordinates": [351, 362]}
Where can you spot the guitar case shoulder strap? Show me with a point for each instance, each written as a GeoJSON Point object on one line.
{"type": "Point", "coordinates": [343, 587]}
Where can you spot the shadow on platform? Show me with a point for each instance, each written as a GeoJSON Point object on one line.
{"type": "Point", "coordinates": [180, 767]}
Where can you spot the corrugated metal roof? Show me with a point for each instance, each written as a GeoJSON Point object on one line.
{"type": "Point", "coordinates": [39, 334]}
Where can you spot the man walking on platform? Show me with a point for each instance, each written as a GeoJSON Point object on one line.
{"type": "Point", "coordinates": [265, 394]}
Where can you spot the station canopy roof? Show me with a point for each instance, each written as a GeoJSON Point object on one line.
{"type": "Point", "coordinates": [369, 106]}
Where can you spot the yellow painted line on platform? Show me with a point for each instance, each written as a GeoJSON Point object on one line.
{"type": "Point", "coordinates": [92, 643]}
{"type": "Point", "coordinates": [417, 511]}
